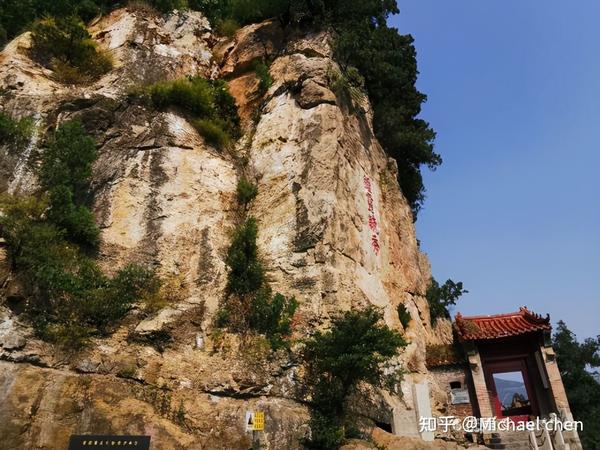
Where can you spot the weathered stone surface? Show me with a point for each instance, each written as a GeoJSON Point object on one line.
{"type": "Point", "coordinates": [393, 442]}
{"type": "Point", "coordinates": [254, 42]}
{"type": "Point", "coordinates": [335, 232]}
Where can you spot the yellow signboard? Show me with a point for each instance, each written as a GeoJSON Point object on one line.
{"type": "Point", "coordinates": [259, 421]}
{"type": "Point", "coordinates": [255, 421]}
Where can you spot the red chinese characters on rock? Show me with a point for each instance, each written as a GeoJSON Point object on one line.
{"type": "Point", "coordinates": [372, 220]}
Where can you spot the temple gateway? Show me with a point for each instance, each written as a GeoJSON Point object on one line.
{"type": "Point", "coordinates": [504, 367]}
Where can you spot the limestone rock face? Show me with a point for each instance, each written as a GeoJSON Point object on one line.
{"type": "Point", "coordinates": [334, 231]}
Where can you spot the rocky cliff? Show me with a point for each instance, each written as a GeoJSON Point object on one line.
{"type": "Point", "coordinates": [334, 231]}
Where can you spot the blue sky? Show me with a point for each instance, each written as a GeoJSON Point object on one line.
{"type": "Point", "coordinates": [514, 95]}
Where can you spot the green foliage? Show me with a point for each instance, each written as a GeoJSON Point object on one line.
{"type": "Point", "coordinates": [15, 133]}
{"type": "Point", "coordinates": [349, 85]}
{"type": "Point", "coordinates": [440, 298]}
{"type": "Point", "coordinates": [227, 27]}
{"type": "Point", "coordinates": [261, 69]}
{"type": "Point", "coordinates": [69, 298]}
{"type": "Point", "coordinates": [403, 315]}
{"type": "Point", "coordinates": [272, 316]}
{"type": "Point", "coordinates": [327, 432]}
{"type": "Point", "coordinates": [77, 220]}
{"type": "Point", "coordinates": [3, 37]}
{"type": "Point", "coordinates": [246, 274]}
{"type": "Point", "coordinates": [166, 6]}
{"type": "Point", "coordinates": [387, 61]}
{"type": "Point", "coordinates": [194, 95]}
{"type": "Point", "coordinates": [249, 304]}
{"type": "Point", "coordinates": [353, 351]}
{"type": "Point", "coordinates": [250, 11]}
{"type": "Point", "coordinates": [210, 104]}
{"type": "Point", "coordinates": [246, 191]}
{"type": "Point", "coordinates": [17, 15]}
{"type": "Point", "coordinates": [68, 159]}
{"type": "Point", "coordinates": [65, 172]}
{"type": "Point", "coordinates": [65, 45]}
{"type": "Point", "coordinates": [214, 132]}
{"type": "Point", "coordinates": [583, 391]}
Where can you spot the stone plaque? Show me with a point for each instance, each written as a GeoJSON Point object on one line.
{"type": "Point", "coordinates": [459, 396]}
{"type": "Point", "coordinates": [98, 442]}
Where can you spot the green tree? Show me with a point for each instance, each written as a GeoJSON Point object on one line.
{"type": "Point", "coordinates": [583, 391]}
{"type": "Point", "coordinates": [354, 350]}
{"type": "Point", "coordinates": [15, 133]}
{"type": "Point", "coordinates": [246, 274]}
{"type": "Point", "coordinates": [272, 316]}
{"type": "Point", "coordinates": [440, 298]}
{"type": "Point", "coordinates": [249, 303]}
{"type": "Point", "coordinates": [69, 299]}
{"type": "Point", "coordinates": [68, 160]}
{"type": "Point", "coordinates": [65, 173]}
{"type": "Point", "coordinates": [65, 45]}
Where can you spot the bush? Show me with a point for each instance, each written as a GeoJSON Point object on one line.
{"type": "Point", "coordinates": [166, 6]}
{"type": "Point", "coordinates": [249, 303]}
{"type": "Point", "coordinates": [353, 351]}
{"type": "Point", "coordinates": [77, 220]}
{"type": "Point", "coordinates": [262, 73]}
{"type": "Point", "coordinates": [195, 95]}
{"type": "Point", "coordinates": [65, 172]}
{"type": "Point", "coordinates": [326, 432]}
{"type": "Point", "coordinates": [272, 316]}
{"type": "Point", "coordinates": [440, 298]}
{"type": "Point", "coordinates": [213, 133]}
{"type": "Point", "coordinates": [227, 27]}
{"type": "Point", "coordinates": [69, 298]}
{"type": "Point", "coordinates": [65, 45]}
{"type": "Point", "coordinates": [246, 191]}
{"type": "Point", "coordinates": [348, 86]}
{"type": "Point", "coordinates": [251, 11]}
{"type": "Point", "coordinates": [246, 274]}
{"type": "Point", "coordinates": [404, 315]}
{"type": "Point", "coordinates": [210, 104]}
{"type": "Point", "coordinates": [576, 361]}
{"type": "Point", "coordinates": [15, 133]}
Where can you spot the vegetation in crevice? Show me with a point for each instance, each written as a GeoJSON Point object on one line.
{"type": "Point", "coordinates": [261, 70]}
{"type": "Point", "coordinates": [352, 352]}
{"type": "Point", "coordinates": [348, 86]}
{"type": "Point", "coordinates": [403, 315]}
{"type": "Point", "coordinates": [49, 238]}
{"type": "Point", "coordinates": [208, 103]}
{"type": "Point", "coordinates": [15, 133]}
{"type": "Point", "coordinates": [64, 45]}
{"type": "Point", "coordinates": [64, 173]}
{"type": "Point", "coordinates": [441, 298]}
{"type": "Point", "coordinates": [249, 303]}
{"type": "Point", "coordinates": [246, 191]}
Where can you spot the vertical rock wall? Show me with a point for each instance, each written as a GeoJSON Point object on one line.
{"type": "Point", "coordinates": [334, 231]}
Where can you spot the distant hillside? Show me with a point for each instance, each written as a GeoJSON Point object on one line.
{"type": "Point", "coordinates": [507, 388]}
